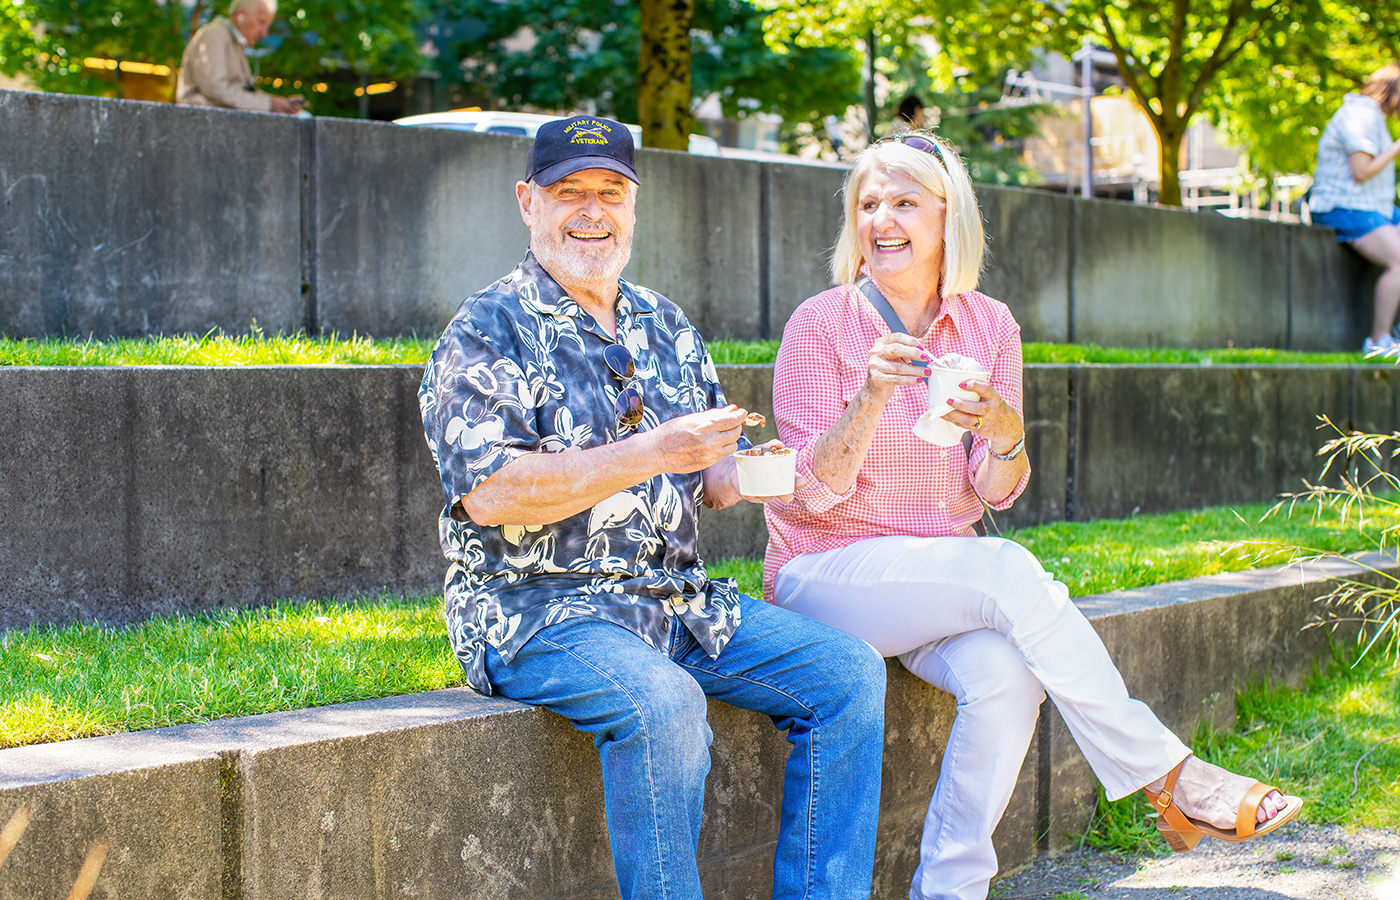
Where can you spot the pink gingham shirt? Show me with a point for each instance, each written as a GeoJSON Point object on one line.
{"type": "Point", "coordinates": [906, 486]}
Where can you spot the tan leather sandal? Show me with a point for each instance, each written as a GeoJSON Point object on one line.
{"type": "Point", "coordinates": [1183, 833]}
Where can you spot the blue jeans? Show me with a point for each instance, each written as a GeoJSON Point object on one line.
{"type": "Point", "coordinates": [646, 713]}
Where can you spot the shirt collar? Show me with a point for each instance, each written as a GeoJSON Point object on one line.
{"type": "Point", "coordinates": [954, 307]}
{"type": "Point", "coordinates": [548, 297]}
{"type": "Point", "coordinates": [237, 35]}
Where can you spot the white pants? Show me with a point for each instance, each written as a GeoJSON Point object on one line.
{"type": "Point", "coordinates": [980, 619]}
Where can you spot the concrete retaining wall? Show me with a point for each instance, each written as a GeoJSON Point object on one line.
{"type": "Point", "coordinates": [451, 794]}
{"type": "Point", "coordinates": [128, 218]}
{"type": "Point", "coordinates": [135, 491]}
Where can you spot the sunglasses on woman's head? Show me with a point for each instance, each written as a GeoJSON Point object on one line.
{"type": "Point", "coordinates": [918, 142]}
{"type": "Point", "coordinates": [628, 407]}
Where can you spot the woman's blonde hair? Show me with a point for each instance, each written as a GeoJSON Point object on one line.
{"type": "Point", "coordinates": [963, 237]}
{"type": "Point", "coordinates": [1383, 86]}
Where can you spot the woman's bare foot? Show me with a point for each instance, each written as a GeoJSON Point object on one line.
{"type": "Point", "coordinates": [1211, 794]}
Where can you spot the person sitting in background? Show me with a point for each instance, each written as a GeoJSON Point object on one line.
{"type": "Point", "coordinates": [1353, 191]}
{"type": "Point", "coordinates": [214, 70]}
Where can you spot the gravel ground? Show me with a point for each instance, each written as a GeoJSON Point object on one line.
{"type": "Point", "coordinates": [1299, 862]}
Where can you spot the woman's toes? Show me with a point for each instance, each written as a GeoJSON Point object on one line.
{"type": "Point", "coordinates": [1272, 804]}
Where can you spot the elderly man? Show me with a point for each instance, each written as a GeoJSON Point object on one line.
{"type": "Point", "coordinates": [577, 423]}
{"type": "Point", "coordinates": [214, 70]}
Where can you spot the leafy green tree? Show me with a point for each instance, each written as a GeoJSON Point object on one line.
{"type": "Point", "coordinates": [732, 60]}
{"type": "Point", "coordinates": [337, 42]}
{"type": "Point", "coordinates": [46, 41]}
{"type": "Point", "coordinates": [1170, 54]}
{"type": "Point", "coordinates": [1279, 99]}
{"type": "Point", "coordinates": [987, 134]}
{"type": "Point", "coordinates": [345, 44]}
{"type": "Point", "coordinates": [588, 52]}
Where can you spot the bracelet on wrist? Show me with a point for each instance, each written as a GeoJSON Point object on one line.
{"type": "Point", "coordinates": [1012, 453]}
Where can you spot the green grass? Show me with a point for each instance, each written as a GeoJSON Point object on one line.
{"type": "Point", "coordinates": [82, 680]}
{"type": "Point", "coordinates": [215, 349]}
{"type": "Point", "coordinates": [79, 680]}
{"type": "Point", "coordinates": [1072, 354]}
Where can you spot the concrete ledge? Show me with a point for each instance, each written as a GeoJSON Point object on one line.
{"type": "Point", "coordinates": [142, 490]}
{"type": "Point", "coordinates": [451, 794]}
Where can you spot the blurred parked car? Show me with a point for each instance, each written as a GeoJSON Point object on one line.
{"type": "Point", "coordinates": [526, 124]}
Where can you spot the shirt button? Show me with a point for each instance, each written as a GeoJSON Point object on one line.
{"type": "Point", "coordinates": [665, 526]}
{"type": "Point", "coordinates": [666, 624]}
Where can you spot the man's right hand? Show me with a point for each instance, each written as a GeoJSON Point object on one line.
{"type": "Point", "coordinates": [697, 441]}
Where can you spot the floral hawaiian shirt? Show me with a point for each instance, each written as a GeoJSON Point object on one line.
{"type": "Point", "coordinates": [520, 370]}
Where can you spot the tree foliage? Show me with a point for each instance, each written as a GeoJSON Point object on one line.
{"type": "Point", "coordinates": [587, 52]}
{"type": "Point", "coordinates": [47, 40]}
{"type": "Point", "coordinates": [987, 134]}
{"type": "Point", "coordinates": [1279, 99]}
{"type": "Point", "coordinates": [337, 42]}
{"type": "Point", "coordinates": [1177, 58]}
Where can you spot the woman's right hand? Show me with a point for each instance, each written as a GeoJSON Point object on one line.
{"type": "Point", "coordinates": [896, 360]}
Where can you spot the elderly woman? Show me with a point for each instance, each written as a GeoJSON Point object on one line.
{"type": "Point", "coordinates": [1353, 191]}
{"type": "Point", "coordinates": [879, 540]}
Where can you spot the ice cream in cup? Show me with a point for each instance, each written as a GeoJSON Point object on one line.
{"type": "Point", "coordinates": [948, 372]}
{"type": "Point", "coordinates": [766, 471]}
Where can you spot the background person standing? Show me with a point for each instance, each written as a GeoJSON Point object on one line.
{"type": "Point", "coordinates": [214, 70]}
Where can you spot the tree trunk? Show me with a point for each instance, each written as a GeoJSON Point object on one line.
{"type": "Point", "coordinates": [1169, 139]}
{"type": "Point", "coordinates": [663, 77]}
{"type": "Point", "coordinates": [870, 110]}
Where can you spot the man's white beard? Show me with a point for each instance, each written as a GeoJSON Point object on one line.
{"type": "Point", "coordinates": [580, 262]}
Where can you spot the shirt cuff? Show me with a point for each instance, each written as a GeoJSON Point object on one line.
{"type": "Point", "coordinates": [458, 489]}
{"type": "Point", "coordinates": [815, 496]}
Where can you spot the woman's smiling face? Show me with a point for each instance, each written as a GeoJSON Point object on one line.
{"type": "Point", "coordinates": [899, 225]}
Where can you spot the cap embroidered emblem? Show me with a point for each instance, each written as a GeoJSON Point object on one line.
{"type": "Point", "coordinates": [589, 131]}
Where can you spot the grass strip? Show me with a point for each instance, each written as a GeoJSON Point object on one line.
{"type": "Point", "coordinates": [216, 349]}
{"type": "Point", "coordinates": [82, 679]}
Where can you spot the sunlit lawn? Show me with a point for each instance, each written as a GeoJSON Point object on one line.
{"type": "Point", "coordinates": [216, 349]}
{"type": "Point", "coordinates": [78, 680]}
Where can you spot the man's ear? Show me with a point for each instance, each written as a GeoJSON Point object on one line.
{"type": "Point", "coordinates": [522, 197]}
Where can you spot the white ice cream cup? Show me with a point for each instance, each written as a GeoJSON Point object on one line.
{"type": "Point", "coordinates": [772, 474]}
{"type": "Point", "coordinates": [943, 386]}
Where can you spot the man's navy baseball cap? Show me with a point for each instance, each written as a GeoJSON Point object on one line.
{"type": "Point", "coordinates": [565, 146]}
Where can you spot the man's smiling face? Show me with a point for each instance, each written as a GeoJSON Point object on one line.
{"type": "Point", "coordinates": [581, 225]}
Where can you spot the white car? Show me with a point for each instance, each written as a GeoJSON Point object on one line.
{"type": "Point", "coordinates": [526, 124]}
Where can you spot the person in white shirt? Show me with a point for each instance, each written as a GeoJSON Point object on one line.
{"type": "Point", "coordinates": [1353, 191]}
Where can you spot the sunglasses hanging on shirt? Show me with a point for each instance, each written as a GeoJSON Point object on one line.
{"type": "Point", "coordinates": [628, 408]}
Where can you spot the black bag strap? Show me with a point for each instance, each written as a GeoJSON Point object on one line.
{"type": "Point", "coordinates": [886, 311]}
{"type": "Point", "coordinates": [882, 306]}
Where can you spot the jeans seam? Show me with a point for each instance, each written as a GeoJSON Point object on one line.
{"type": "Point", "coordinates": [646, 734]}
{"type": "Point", "coordinates": [812, 765]}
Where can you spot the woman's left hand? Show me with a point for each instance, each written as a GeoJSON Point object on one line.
{"type": "Point", "coordinates": [988, 416]}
